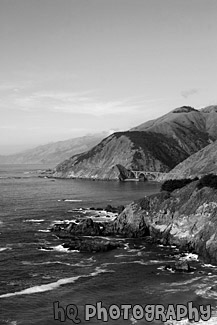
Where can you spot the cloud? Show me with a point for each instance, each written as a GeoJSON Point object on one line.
{"type": "Point", "coordinates": [82, 103]}
{"type": "Point", "coordinates": [189, 92]}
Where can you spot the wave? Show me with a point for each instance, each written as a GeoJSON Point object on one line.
{"type": "Point", "coordinates": [44, 230]}
{"type": "Point", "coordinates": [189, 257]}
{"type": "Point", "coordinates": [167, 246]}
{"type": "Point", "coordinates": [127, 255]}
{"type": "Point", "coordinates": [58, 248]}
{"type": "Point", "coordinates": [53, 285]}
{"type": "Point", "coordinates": [71, 200]}
{"type": "Point", "coordinates": [63, 221]}
{"type": "Point", "coordinates": [211, 321]}
{"type": "Point", "coordinates": [2, 249]}
{"type": "Point", "coordinates": [182, 283]}
{"type": "Point", "coordinates": [207, 289]}
{"type": "Point", "coordinates": [141, 262]}
{"type": "Point", "coordinates": [80, 264]}
{"type": "Point", "coordinates": [34, 220]}
{"type": "Point", "coordinates": [206, 292]}
{"type": "Point", "coordinates": [209, 265]}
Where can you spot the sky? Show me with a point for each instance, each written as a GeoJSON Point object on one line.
{"type": "Point", "coordinates": [73, 67]}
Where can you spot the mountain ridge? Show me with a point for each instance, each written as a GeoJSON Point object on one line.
{"type": "Point", "coordinates": [55, 152]}
{"type": "Point", "coordinates": [175, 135]}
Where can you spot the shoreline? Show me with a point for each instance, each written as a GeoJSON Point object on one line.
{"type": "Point", "coordinates": [184, 217]}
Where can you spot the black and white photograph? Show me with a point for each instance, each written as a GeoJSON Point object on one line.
{"type": "Point", "coordinates": [108, 162]}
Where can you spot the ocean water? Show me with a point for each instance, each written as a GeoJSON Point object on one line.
{"type": "Point", "coordinates": [36, 271]}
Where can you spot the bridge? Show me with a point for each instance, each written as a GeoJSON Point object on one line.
{"type": "Point", "coordinates": [137, 174]}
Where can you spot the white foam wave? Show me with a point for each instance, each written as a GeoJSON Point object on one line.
{"type": "Point", "coordinates": [133, 250]}
{"type": "Point", "coordinates": [71, 200]}
{"type": "Point", "coordinates": [211, 321]}
{"type": "Point", "coordinates": [63, 221]}
{"type": "Point", "coordinates": [167, 246]}
{"type": "Point", "coordinates": [2, 249]}
{"type": "Point", "coordinates": [141, 262]}
{"type": "Point", "coordinates": [44, 230]}
{"type": "Point", "coordinates": [127, 255]}
{"type": "Point", "coordinates": [189, 257]}
{"type": "Point", "coordinates": [34, 220]}
{"type": "Point", "coordinates": [209, 265]}
{"type": "Point", "coordinates": [182, 283]}
{"type": "Point", "coordinates": [45, 250]}
{"type": "Point", "coordinates": [206, 292]}
{"type": "Point", "coordinates": [60, 248]}
{"type": "Point", "coordinates": [80, 264]}
{"type": "Point", "coordinates": [53, 285]}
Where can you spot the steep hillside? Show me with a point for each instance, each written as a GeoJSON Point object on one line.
{"type": "Point", "coordinates": [201, 163]}
{"type": "Point", "coordinates": [54, 153]}
{"type": "Point", "coordinates": [184, 124]}
{"type": "Point", "coordinates": [210, 115]}
{"type": "Point", "coordinates": [157, 145]}
{"type": "Point", "coordinates": [133, 150]}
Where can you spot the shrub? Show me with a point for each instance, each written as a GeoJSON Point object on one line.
{"type": "Point", "coordinates": [173, 184]}
{"type": "Point", "coordinates": [209, 180]}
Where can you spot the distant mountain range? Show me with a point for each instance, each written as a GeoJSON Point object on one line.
{"type": "Point", "coordinates": [54, 153]}
{"type": "Point", "coordinates": [157, 145]}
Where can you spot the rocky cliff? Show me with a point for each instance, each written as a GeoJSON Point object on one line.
{"type": "Point", "coordinates": [186, 217]}
{"type": "Point", "coordinates": [157, 145]}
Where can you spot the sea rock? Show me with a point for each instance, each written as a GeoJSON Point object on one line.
{"type": "Point", "coordinates": [86, 227]}
{"type": "Point", "coordinates": [180, 266]}
{"type": "Point", "coordinates": [91, 244]}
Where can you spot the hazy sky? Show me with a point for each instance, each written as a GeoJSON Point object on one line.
{"type": "Point", "coordinates": [72, 67]}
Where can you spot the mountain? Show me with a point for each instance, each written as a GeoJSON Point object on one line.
{"type": "Point", "coordinates": [186, 125]}
{"type": "Point", "coordinates": [201, 163]}
{"type": "Point", "coordinates": [157, 145]}
{"type": "Point", "coordinates": [133, 150]}
{"type": "Point", "coordinates": [54, 153]}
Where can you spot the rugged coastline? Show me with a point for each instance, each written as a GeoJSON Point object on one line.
{"type": "Point", "coordinates": [185, 217]}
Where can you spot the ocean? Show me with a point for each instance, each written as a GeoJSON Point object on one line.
{"type": "Point", "coordinates": [41, 281]}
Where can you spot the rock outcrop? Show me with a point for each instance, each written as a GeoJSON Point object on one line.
{"type": "Point", "coordinates": [186, 217]}
{"type": "Point", "coordinates": [94, 245]}
{"type": "Point", "coordinates": [86, 236]}
{"type": "Point", "coordinates": [157, 145]}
